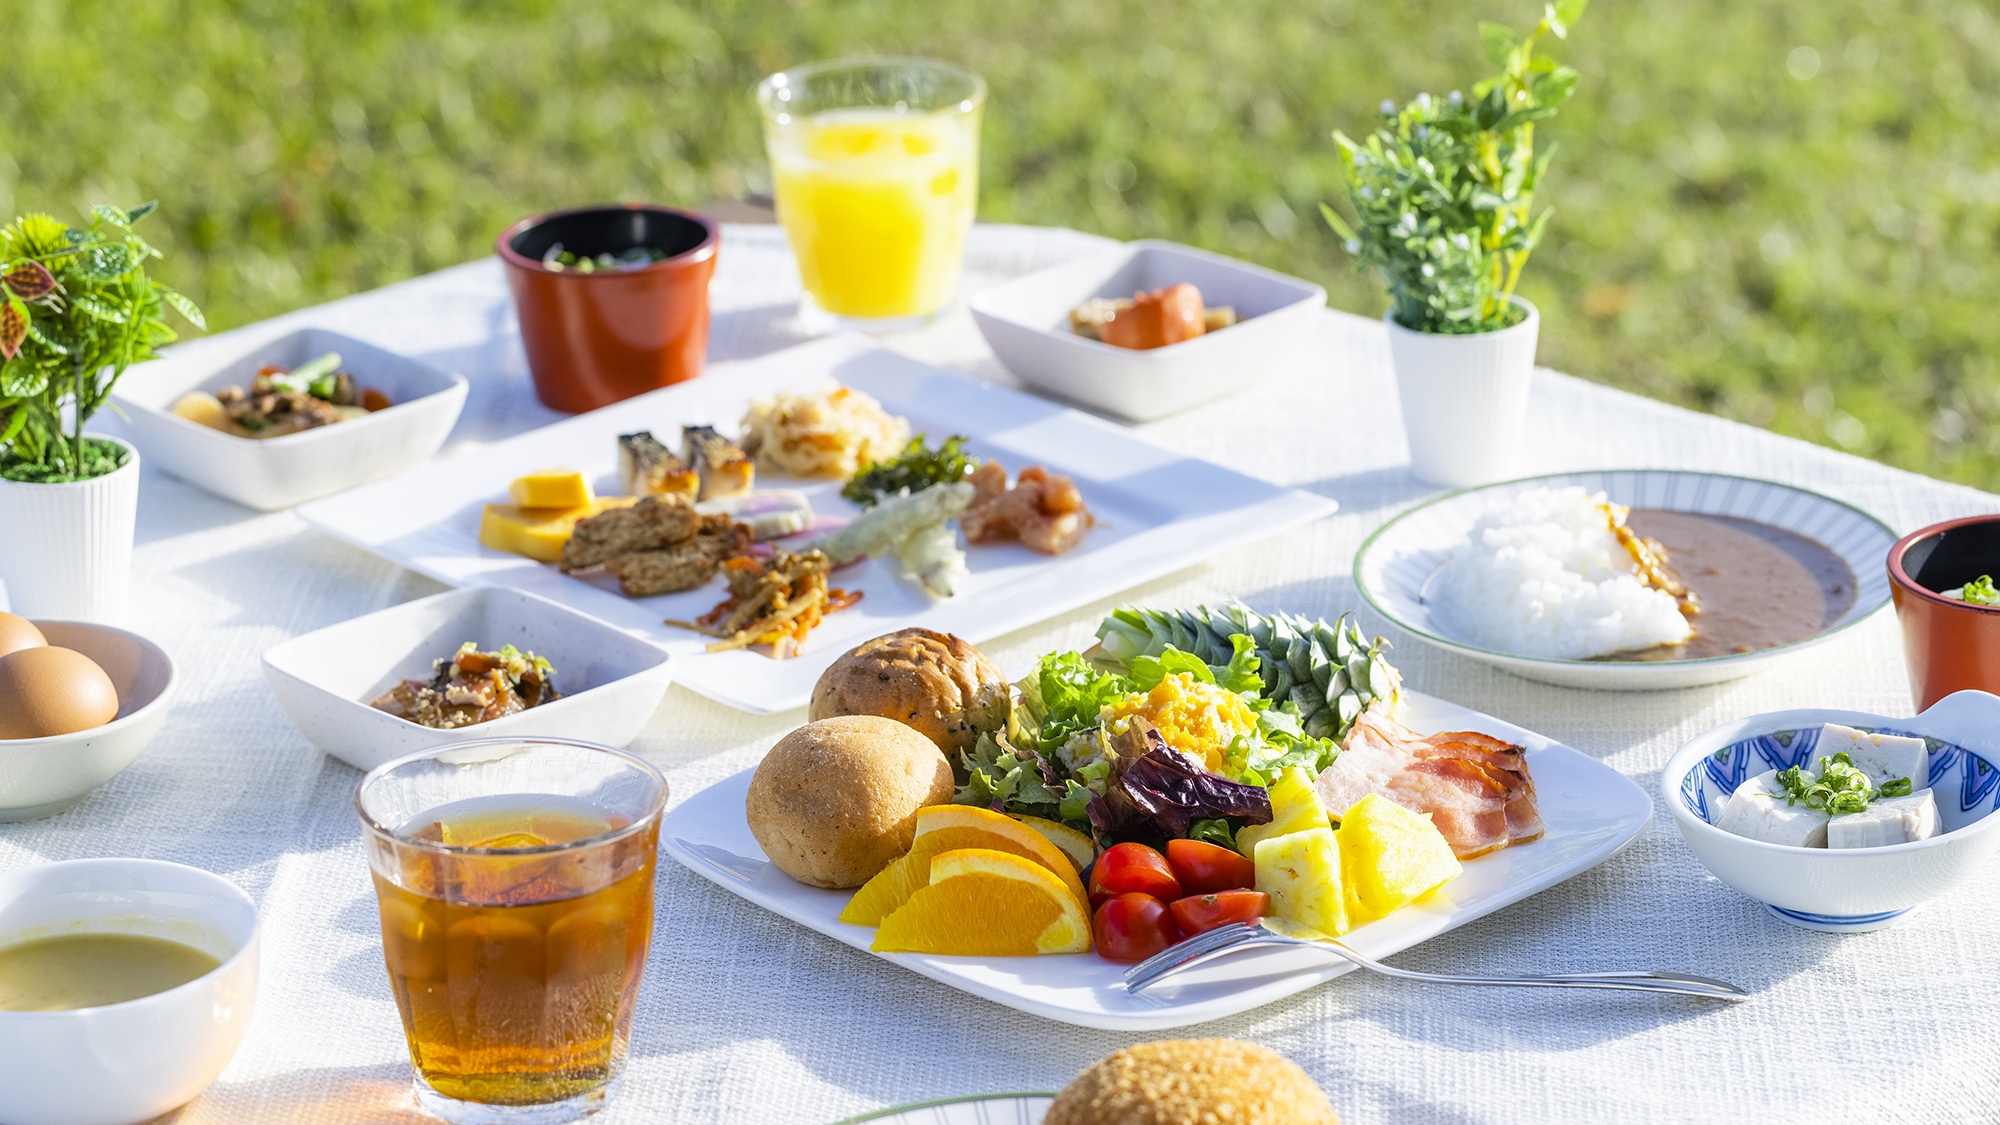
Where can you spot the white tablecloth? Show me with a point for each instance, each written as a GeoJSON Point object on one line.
{"type": "Point", "coordinates": [745, 1017]}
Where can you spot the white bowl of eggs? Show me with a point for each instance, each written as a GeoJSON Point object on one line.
{"type": "Point", "coordinates": [78, 703]}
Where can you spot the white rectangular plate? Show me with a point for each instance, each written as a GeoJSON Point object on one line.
{"type": "Point", "coordinates": [1158, 511]}
{"type": "Point", "coordinates": [1591, 810]}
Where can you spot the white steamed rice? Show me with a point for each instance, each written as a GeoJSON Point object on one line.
{"type": "Point", "coordinates": [1544, 575]}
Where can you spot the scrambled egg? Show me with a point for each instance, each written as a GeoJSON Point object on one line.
{"type": "Point", "coordinates": [1195, 717]}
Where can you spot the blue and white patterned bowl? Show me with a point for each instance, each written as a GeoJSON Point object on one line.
{"type": "Point", "coordinates": [1397, 562]}
{"type": "Point", "coordinates": [1844, 890]}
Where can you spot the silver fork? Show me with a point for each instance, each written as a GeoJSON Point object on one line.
{"type": "Point", "coordinates": [1278, 931]}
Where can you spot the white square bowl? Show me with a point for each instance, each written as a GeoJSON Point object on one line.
{"type": "Point", "coordinates": [1026, 322]}
{"type": "Point", "coordinates": [279, 472]}
{"type": "Point", "coordinates": [611, 681]}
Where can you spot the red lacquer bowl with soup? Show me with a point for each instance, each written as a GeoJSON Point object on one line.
{"type": "Point", "coordinates": [1950, 644]}
{"type": "Point", "coordinates": [600, 330]}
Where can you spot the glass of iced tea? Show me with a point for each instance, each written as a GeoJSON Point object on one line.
{"type": "Point", "coordinates": [875, 172]}
{"type": "Point", "coordinates": [515, 880]}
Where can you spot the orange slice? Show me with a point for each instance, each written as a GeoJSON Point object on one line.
{"type": "Point", "coordinates": [944, 828]}
{"type": "Point", "coordinates": [1074, 844]}
{"type": "Point", "coordinates": [986, 903]}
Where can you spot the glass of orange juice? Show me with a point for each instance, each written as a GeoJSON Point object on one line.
{"type": "Point", "coordinates": [875, 168]}
{"type": "Point", "coordinates": [515, 882]}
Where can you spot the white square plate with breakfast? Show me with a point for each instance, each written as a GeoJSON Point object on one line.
{"type": "Point", "coordinates": [1158, 511]}
{"type": "Point", "coordinates": [1591, 812]}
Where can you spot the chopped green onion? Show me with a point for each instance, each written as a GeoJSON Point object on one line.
{"type": "Point", "coordinates": [1838, 788]}
{"type": "Point", "coordinates": [1980, 591]}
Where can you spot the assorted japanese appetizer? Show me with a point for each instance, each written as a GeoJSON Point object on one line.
{"type": "Point", "coordinates": [826, 431]}
{"type": "Point", "coordinates": [775, 602]}
{"type": "Point", "coordinates": [283, 401]}
{"type": "Point", "coordinates": [658, 545]}
{"type": "Point", "coordinates": [646, 467]}
{"type": "Point", "coordinates": [914, 469]}
{"type": "Point", "coordinates": [1863, 794]}
{"type": "Point", "coordinates": [689, 516]}
{"type": "Point", "coordinates": [470, 687]}
{"type": "Point", "coordinates": [720, 465]}
{"type": "Point", "coordinates": [1167, 315]}
{"type": "Point", "coordinates": [1560, 573]}
{"type": "Point", "coordinates": [1044, 511]}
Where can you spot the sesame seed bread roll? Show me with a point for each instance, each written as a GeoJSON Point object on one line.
{"type": "Point", "coordinates": [1192, 1082]}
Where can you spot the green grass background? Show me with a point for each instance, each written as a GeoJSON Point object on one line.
{"type": "Point", "coordinates": [1803, 240]}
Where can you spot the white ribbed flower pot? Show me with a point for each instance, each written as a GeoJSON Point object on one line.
{"type": "Point", "coordinates": [1465, 399]}
{"type": "Point", "coordinates": [66, 549]}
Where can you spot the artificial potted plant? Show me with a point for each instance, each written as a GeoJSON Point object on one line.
{"type": "Point", "coordinates": [76, 309]}
{"type": "Point", "coordinates": [1441, 193]}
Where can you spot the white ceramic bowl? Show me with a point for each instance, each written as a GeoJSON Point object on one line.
{"type": "Point", "coordinates": [125, 1063]}
{"type": "Point", "coordinates": [611, 681]}
{"type": "Point", "coordinates": [43, 776]}
{"type": "Point", "coordinates": [1844, 890]}
{"type": "Point", "coordinates": [1395, 567]}
{"type": "Point", "coordinates": [1026, 322]}
{"type": "Point", "coordinates": [280, 472]}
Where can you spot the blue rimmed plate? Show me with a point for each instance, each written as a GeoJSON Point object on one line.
{"type": "Point", "coordinates": [975, 1109]}
{"type": "Point", "coordinates": [1396, 564]}
{"type": "Point", "coordinates": [1844, 890]}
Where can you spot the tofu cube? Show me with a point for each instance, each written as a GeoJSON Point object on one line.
{"type": "Point", "coordinates": [1897, 820]}
{"type": "Point", "coordinates": [1758, 810]}
{"type": "Point", "coordinates": [1883, 757]}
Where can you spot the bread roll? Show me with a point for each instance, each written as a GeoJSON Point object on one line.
{"type": "Point", "coordinates": [1192, 1082]}
{"type": "Point", "coordinates": [934, 682]}
{"type": "Point", "coordinates": [836, 800]}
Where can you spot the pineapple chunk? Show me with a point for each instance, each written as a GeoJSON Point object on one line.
{"type": "Point", "coordinates": [551, 488]}
{"type": "Point", "coordinates": [1301, 872]}
{"type": "Point", "coordinates": [1295, 807]}
{"type": "Point", "coordinates": [1389, 857]}
{"type": "Point", "coordinates": [538, 532]}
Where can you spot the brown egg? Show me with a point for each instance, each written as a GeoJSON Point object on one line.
{"type": "Point", "coordinates": [48, 690]}
{"type": "Point", "coordinates": [17, 633]}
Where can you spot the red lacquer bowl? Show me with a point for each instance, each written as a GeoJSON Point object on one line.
{"type": "Point", "coordinates": [597, 338]}
{"type": "Point", "coordinates": [1949, 645]}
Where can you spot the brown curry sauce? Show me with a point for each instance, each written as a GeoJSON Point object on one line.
{"type": "Point", "coordinates": [1753, 586]}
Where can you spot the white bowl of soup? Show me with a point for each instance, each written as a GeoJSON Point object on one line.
{"type": "Point", "coordinates": [125, 988]}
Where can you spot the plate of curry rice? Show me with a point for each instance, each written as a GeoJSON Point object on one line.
{"type": "Point", "coordinates": [1768, 568]}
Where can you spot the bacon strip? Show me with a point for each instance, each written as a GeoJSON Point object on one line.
{"type": "Point", "coordinates": [1475, 788]}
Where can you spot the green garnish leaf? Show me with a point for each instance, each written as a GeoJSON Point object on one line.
{"type": "Point", "coordinates": [916, 468]}
{"type": "Point", "coordinates": [1213, 832]}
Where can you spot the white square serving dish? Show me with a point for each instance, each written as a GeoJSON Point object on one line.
{"type": "Point", "coordinates": [279, 472]}
{"type": "Point", "coordinates": [611, 681]}
{"type": "Point", "coordinates": [1592, 812]}
{"type": "Point", "coordinates": [1159, 510]}
{"type": "Point", "coordinates": [1026, 322]}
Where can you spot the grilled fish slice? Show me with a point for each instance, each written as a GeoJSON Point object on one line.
{"type": "Point", "coordinates": [648, 468]}
{"type": "Point", "coordinates": [722, 465]}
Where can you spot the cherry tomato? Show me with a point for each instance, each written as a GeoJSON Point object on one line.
{"type": "Point", "coordinates": [1205, 868]}
{"type": "Point", "coordinates": [1132, 927]}
{"type": "Point", "coordinates": [1198, 914]}
{"type": "Point", "coordinates": [1132, 869]}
